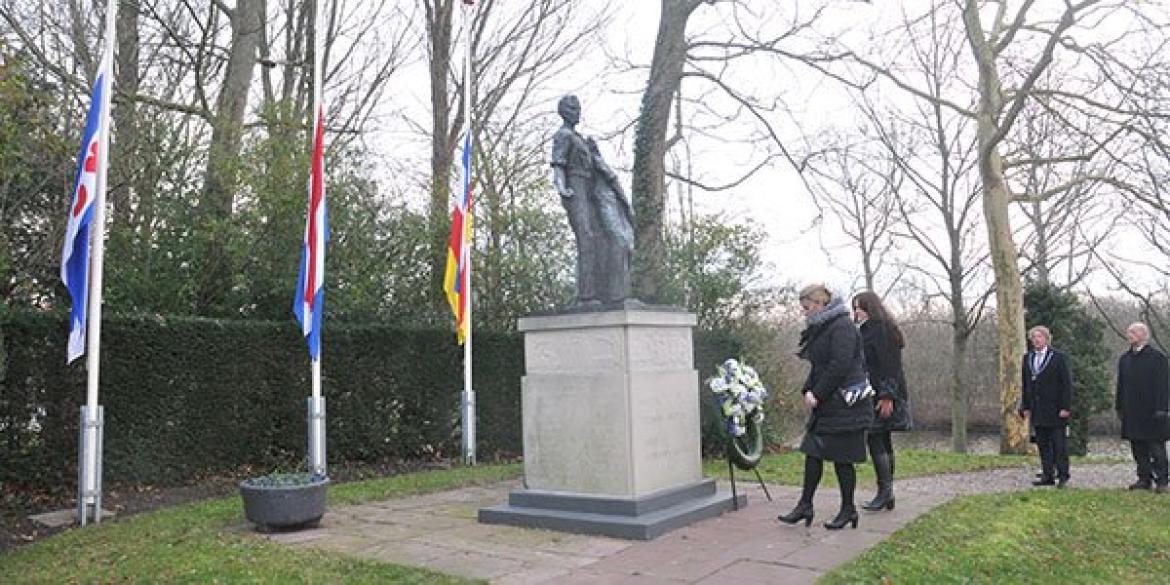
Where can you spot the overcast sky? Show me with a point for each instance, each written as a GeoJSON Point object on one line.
{"type": "Point", "coordinates": [798, 249]}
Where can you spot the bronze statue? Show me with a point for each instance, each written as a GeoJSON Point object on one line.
{"type": "Point", "coordinates": [599, 213]}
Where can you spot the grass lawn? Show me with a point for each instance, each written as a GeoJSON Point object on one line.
{"type": "Point", "coordinates": [1005, 538]}
{"type": "Point", "coordinates": [1049, 536]}
{"type": "Point", "coordinates": [203, 543]}
{"type": "Point", "coordinates": [788, 468]}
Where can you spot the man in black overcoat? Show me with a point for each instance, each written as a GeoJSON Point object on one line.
{"type": "Point", "coordinates": [1047, 403]}
{"type": "Point", "coordinates": [1143, 401]}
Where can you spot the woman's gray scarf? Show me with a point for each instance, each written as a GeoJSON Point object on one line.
{"type": "Point", "coordinates": [836, 308]}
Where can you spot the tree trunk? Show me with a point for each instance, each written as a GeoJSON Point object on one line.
{"type": "Point", "coordinates": [439, 17]}
{"type": "Point", "coordinates": [222, 176]}
{"type": "Point", "coordinates": [1042, 254]}
{"type": "Point", "coordinates": [649, 172]}
{"type": "Point", "coordinates": [80, 42]}
{"type": "Point", "coordinates": [867, 266]}
{"type": "Point", "coordinates": [959, 392]}
{"type": "Point", "coordinates": [1009, 299]}
{"type": "Point", "coordinates": [227, 127]}
{"type": "Point", "coordinates": [1009, 295]}
{"type": "Point", "coordinates": [122, 167]}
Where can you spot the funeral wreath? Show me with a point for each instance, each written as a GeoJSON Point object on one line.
{"type": "Point", "coordinates": [740, 396]}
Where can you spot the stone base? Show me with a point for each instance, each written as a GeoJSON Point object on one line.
{"type": "Point", "coordinates": [635, 518]}
{"type": "Point", "coordinates": [60, 518]}
{"type": "Point", "coordinates": [610, 403]}
{"type": "Point", "coordinates": [630, 304]}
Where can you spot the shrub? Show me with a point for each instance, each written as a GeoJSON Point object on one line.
{"type": "Point", "coordinates": [186, 397]}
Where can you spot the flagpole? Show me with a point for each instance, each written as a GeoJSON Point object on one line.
{"type": "Point", "coordinates": [91, 491]}
{"type": "Point", "coordinates": [468, 414]}
{"type": "Point", "coordinates": [316, 401]}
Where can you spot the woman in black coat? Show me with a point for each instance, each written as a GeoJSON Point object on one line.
{"type": "Point", "coordinates": [835, 430]}
{"type": "Point", "coordinates": [883, 343]}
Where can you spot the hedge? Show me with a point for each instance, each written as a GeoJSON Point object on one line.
{"type": "Point", "coordinates": [188, 397]}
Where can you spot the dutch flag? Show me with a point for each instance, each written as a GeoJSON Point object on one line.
{"type": "Point", "coordinates": [86, 197]}
{"type": "Point", "coordinates": [309, 304]}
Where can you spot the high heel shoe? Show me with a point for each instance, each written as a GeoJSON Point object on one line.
{"type": "Point", "coordinates": [845, 516]}
{"type": "Point", "coordinates": [802, 511]}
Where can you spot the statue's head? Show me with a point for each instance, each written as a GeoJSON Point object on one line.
{"type": "Point", "coordinates": [570, 109]}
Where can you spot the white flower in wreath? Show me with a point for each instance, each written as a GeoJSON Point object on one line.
{"type": "Point", "coordinates": [740, 395]}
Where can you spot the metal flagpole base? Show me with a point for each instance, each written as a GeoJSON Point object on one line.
{"type": "Point", "coordinates": [90, 500]}
{"type": "Point", "coordinates": [317, 436]}
{"type": "Point", "coordinates": [468, 417]}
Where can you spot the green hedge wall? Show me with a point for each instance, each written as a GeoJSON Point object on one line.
{"type": "Point", "coordinates": [186, 397]}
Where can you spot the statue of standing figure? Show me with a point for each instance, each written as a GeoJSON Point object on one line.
{"type": "Point", "coordinates": [599, 213]}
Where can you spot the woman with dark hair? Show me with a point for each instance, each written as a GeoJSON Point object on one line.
{"type": "Point", "coordinates": [840, 403]}
{"type": "Point", "coordinates": [883, 343]}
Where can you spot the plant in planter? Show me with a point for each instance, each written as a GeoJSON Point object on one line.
{"type": "Point", "coordinates": [284, 501]}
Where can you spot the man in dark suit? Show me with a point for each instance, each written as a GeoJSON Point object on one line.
{"type": "Point", "coordinates": [1047, 403]}
{"type": "Point", "coordinates": [1143, 399]}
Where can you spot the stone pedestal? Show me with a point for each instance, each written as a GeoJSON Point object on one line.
{"type": "Point", "coordinates": [611, 426]}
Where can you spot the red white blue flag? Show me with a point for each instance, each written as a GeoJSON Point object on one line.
{"type": "Point", "coordinates": [86, 197]}
{"type": "Point", "coordinates": [309, 304]}
{"type": "Point", "coordinates": [455, 282]}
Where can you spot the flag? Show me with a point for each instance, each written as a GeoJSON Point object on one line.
{"type": "Point", "coordinates": [310, 298]}
{"type": "Point", "coordinates": [75, 254]}
{"type": "Point", "coordinates": [458, 248]}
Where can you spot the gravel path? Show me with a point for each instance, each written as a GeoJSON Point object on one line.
{"type": "Point", "coordinates": [1113, 475]}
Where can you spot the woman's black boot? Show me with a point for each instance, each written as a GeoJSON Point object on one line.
{"type": "Point", "coordinates": [845, 516]}
{"type": "Point", "coordinates": [884, 500]}
{"type": "Point", "coordinates": [802, 511]}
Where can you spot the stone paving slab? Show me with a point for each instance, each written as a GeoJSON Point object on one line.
{"type": "Point", "coordinates": [760, 573]}
{"type": "Point", "coordinates": [66, 517]}
{"type": "Point", "coordinates": [440, 532]}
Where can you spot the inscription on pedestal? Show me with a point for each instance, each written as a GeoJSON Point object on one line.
{"type": "Point", "coordinates": [660, 348]}
{"type": "Point", "coordinates": [582, 351]}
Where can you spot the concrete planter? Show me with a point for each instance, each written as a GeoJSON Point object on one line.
{"type": "Point", "coordinates": [284, 502]}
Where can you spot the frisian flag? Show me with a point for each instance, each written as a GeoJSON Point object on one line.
{"type": "Point", "coordinates": [309, 304]}
{"type": "Point", "coordinates": [458, 247]}
{"type": "Point", "coordinates": [75, 254]}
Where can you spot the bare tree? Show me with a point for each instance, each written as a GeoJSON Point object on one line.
{"type": "Point", "coordinates": [1147, 215]}
{"type": "Point", "coordinates": [939, 211]}
{"type": "Point", "coordinates": [221, 178]}
{"type": "Point", "coordinates": [1062, 230]}
{"type": "Point", "coordinates": [182, 113]}
{"type": "Point", "coordinates": [514, 53]}
{"type": "Point", "coordinates": [1011, 51]}
{"type": "Point", "coordinates": [858, 186]}
{"type": "Point", "coordinates": [650, 145]}
{"type": "Point", "coordinates": [935, 200]}
{"type": "Point", "coordinates": [126, 116]}
{"type": "Point", "coordinates": [935, 149]}
{"type": "Point", "coordinates": [737, 40]}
